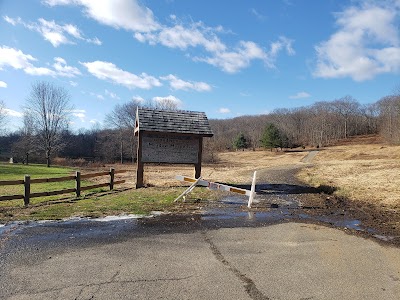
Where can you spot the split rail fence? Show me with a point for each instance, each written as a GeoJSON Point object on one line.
{"type": "Point", "coordinates": [27, 182]}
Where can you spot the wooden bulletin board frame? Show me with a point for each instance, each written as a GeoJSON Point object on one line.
{"type": "Point", "coordinates": [167, 139]}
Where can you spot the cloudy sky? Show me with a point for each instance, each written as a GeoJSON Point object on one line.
{"type": "Point", "coordinates": [226, 58]}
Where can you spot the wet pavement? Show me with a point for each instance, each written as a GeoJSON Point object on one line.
{"type": "Point", "coordinates": [208, 250]}
{"type": "Point", "coordinates": [224, 253]}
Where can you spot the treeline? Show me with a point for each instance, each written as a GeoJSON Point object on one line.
{"type": "Point", "coordinates": [320, 124]}
{"type": "Point", "coordinates": [317, 125]}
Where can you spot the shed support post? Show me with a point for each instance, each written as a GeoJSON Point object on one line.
{"type": "Point", "coordinates": [197, 167]}
{"type": "Point", "coordinates": [140, 167]}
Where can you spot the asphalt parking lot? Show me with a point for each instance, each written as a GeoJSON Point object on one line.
{"type": "Point", "coordinates": [190, 259]}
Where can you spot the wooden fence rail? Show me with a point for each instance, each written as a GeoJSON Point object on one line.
{"type": "Point", "coordinates": [78, 188]}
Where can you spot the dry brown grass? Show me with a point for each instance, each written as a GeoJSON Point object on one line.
{"type": "Point", "coordinates": [368, 173]}
{"type": "Point", "coordinates": [232, 167]}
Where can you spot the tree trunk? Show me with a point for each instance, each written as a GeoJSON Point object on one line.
{"type": "Point", "coordinates": [48, 158]}
{"type": "Point", "coordinates": [122, 151]}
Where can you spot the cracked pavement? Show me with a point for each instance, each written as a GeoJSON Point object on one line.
{"type": "Point", "coordinates": [226, 252]}
{"type": "Point", "coordinates": [142, 260]}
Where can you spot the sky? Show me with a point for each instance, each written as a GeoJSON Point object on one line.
{"type": "Point", "coordinates": [227, 58]}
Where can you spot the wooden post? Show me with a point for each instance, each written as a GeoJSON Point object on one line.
{"type": "Point", "coordinates": [197, 167]}
{"type": "Point", "coordinates": [140, 167]}
{"type": "Point", "coordinates": [112, 173]}
{"type": "Point", "coordinates": [27, 189]}
{"type": "Point", "coordinates": [78, 184]}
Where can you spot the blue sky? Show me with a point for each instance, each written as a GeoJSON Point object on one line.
{"type": "Point", "coordinates": [226, 58]}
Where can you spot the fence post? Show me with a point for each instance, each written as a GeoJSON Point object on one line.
{"type": "Point", "coordinates": [78, 184]}
{"type": "Point", "coordinates": [27, 189]}
{"type": "Point", "coordinates": [112, 178]}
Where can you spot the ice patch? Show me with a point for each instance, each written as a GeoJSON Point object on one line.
{"type": "Point", "coordinates": [117, 218]}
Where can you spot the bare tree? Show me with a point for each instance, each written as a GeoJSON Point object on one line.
{"type": "Point", "coordinates": [49, 107]}
{"type": "Point", "coordinates": [166, 103]}
{"type": "Point", "coordinates": [346, 107]}
{"type": "Point", "coordinates": [26, 142]}
{"type": "Point", "coordinates": [3, 116]}
{"type": "Point", "coordinates": [389, 114]}
{"type": "Point", "coordinates": [122, 118]}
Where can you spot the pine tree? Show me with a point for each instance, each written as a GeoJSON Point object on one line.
{"type": "Point", "coordinates": [271, 137]}
{"type": "Point", "coordinates": [240, 142]}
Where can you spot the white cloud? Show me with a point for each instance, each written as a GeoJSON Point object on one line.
{"type": "Point", "coordinates": [182, 37]}
{"type": "Point", "coordinates": [63, 69]}
{"type": "Point", "coordinates": [300, 95]}
{"type": "Point", "coordinates": [16, 59]}
{"type": "Point", "coordinates": [111, 95]}
{"type": "Point", "coordinates": [259, 16]}
{"type": "Point", "coordinates": [229, 59]}
{"type": "Point", "coordinates": [10, 57]}
{"type": "Point", "coordinates": [39, 71]}
{"type": "Point", "coordinates": [11, 20]}
{"type": "Point", "coordinates": [73, 30]}
{"type": "Point", "coordinates": [79, 113]}
{"type": "Point", "coordinates": [367, 43]}
{"type": "Point", "coordinates": [108, 71]}
{"type": "Point", "coordinates": [138, 99]}
{"type": "Point", "coordinates": [126, 14]}
{"type": "Point", "coordinates": [239, 58]}
{"type": "Point", "coordinates": [13, 113]}
{"type": "Point", "coordinates": [95, 41]}
{"type": "Point", "coordinates": [3, 84]}
{"type": "Point", "coordinates": [170, 98]}
{"type": "Point", "coordinates": [224, 110]}
{"type": "Point", "coordinates": [98, 96]}
{"type": "Point", "coordinates": [73, 83]}
{"type": "Point", "coordinates": [179, 84]}
{"type": "Point", "coordinates": [54, 33]}
{"type": "Point", "coordinates": [132, 16]}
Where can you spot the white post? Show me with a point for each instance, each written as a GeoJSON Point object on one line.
{"type": "Point", "coordinates": [188, 190]}
{"type": "Point", "coordinates": [252, 191]}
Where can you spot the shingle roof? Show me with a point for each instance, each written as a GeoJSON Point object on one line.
{"type": "Point", "coordinates": [168, 121]}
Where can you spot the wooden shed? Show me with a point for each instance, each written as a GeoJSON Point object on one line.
{"type": "Point", "coordinates": [170, 137]}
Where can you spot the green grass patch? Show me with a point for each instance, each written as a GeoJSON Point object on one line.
{"type": "Point", "coordinates": [93, 203]}
{"type": "Point", "coordinates": [18, 172]}
{"type": "Point", "coordinates": [132, 201]}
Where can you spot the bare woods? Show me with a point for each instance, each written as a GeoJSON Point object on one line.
{"type": "Point", "coordinates": [320, 124]}
{"type": "Point", "coordinates": [316, 125]}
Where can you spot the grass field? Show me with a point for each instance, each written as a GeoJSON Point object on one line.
{"type": "Point", "coordinates": [17, 172]}
{"type": "Point", "coordinates": [364, 170]}
{"type": "Point", "coordinates": [93, 203]}
{"type": "Point", "coordinates": [368, 172]}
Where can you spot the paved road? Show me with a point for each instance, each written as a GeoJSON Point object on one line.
{"type": "Point", "coordinates": [188, 260]}
{"type": "Point", "coordinates": [227, 252]}
{"type": "Point", "coordinates": [310, 156]}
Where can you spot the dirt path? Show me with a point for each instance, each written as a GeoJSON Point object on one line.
{"type": "Point", "coordinates": [310, 156]}
{"type": "Point", "coordinates": [282, 197]}
{"type": "Point", "coordinates": [284, 191]}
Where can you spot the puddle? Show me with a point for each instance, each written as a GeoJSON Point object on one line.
{"type": "Point", "coordinates": [335, 221]}
{"type": "Point", "coordinates": [386, 238]}
{"type": "Point", "coordinates": [228, 212]}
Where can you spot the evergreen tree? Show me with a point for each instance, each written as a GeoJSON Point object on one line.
{"type": "Point", "coordinates": [240, 142]}
{"type": "Point", "coordinates": [271, 137]}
